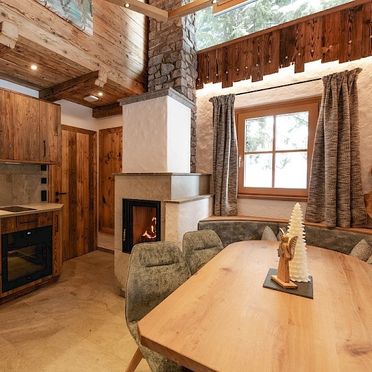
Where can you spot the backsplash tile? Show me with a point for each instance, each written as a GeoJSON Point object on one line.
{"type": "Point", "coordinates": [20, 183]}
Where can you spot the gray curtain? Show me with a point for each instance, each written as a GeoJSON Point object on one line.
{"type": "Point", "coordinates": [225, 156]}
{"type": "Point", "coordinates": [335, 190]}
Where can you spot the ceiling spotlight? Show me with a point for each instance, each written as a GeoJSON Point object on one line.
{"type": "Point", "coordinates": [100, 94]}
{"type": "Point", "coordinates": [33, 67]}
{"type": "Point", "coordinates": [214, 1]}
{"type": "Point", "coordinates": [126, 5]}
{"type": "Point", "coordinates": [91, 99]}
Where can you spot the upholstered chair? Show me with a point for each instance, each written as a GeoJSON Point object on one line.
{"type": "Point", "coordinates": [155, 271]}
{"type": "Point", "coordinates": [199, 247]}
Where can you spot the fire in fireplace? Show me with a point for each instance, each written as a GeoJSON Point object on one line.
{"type": "Point", "coordinates": [141, 222]}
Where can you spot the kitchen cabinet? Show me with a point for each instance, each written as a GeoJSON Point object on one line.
{"type": "Point", "coordinates": [50, 132]}
{"type": "Point", "coordinates": [30, 129]}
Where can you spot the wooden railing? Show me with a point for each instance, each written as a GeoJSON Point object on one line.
{"type": "Point", "coordinates": [343, 33]}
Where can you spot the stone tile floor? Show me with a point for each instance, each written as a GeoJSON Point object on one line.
{"type": "Point", "coordinates": [76, 324]}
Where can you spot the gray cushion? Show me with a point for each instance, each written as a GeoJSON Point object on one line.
{"type": "Point", "coordinates": [268, 234]}
{"type": "Point", "coordinates": [199, 247]}
{"type": "Point", "coordinates": [362, 250]}
{"type": "Point", "coordinates": [155, 271]}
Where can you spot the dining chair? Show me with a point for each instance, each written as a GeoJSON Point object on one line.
{"type": "Point", "coordinates": [155, 271]}
{"type": "Point", "coordinates": [199, 247]}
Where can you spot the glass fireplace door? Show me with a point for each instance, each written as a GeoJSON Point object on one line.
{"type": "Point", "coordinates": [26, 256]}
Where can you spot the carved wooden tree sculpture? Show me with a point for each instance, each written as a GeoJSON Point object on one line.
{"type": "Point", "coordinates": [285, 252]}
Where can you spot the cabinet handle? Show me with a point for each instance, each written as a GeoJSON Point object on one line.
{"type": "Point", "coordinates": [44, 145]}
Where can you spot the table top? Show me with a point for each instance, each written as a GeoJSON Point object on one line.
{"type": "Point", "coordinates": [222, 319]}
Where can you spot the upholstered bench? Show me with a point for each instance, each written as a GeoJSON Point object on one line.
{"type": "Point", "coordinates": [234, 229]}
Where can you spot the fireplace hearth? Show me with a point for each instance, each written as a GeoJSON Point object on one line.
{"type": "Point", "coordinates": [141, 222]}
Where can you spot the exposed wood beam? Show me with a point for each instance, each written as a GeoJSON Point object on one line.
{"type": "Point", "coordinates": [108, 110]}
{"type": "Point", "coordinates": [146, 9]}
{"type": "Point", "coordinates": [8, 36]}
{"type": "Point", "coordinates": [189, 8]}
{"type": "Point", "coordinates": [223, 6]}
{"type": "Point", "coordinates": [79, 84]}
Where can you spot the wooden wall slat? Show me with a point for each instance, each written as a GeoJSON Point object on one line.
{"type": "Point", "coordinates": [313, 39]}
{"type": "Point", "coordinates": [344, 35]}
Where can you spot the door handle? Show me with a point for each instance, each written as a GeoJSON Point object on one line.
{"type": "Point", "coordinates": [60, 193]}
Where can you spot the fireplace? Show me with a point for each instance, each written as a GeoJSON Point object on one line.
{"type": "Point", "coordinates": [141, 222]}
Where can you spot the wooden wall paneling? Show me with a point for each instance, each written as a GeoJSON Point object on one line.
{"type": "Point", "coordinates": [257, 58]}
{"type": "Point", "coordinates": [367, 30]}
{"type": "Point", "coordinates": [57, 243]}
{"type": "Point", "coordinates": [219, 65]}
{"type": "Point", "coordinates": [351, 34]}
{"type": "Point", "coordinates": [299, 57]}
{"type": "Point", "coordinates": [212, 66]}
{"type": "Point", "coordinates": [313, 39]}
{"type": "Point", "coordinates": [271, 43]}
{"type": "Point", "coordinates": [287, 46]}
{"type": "Point", "coordinates": [307, 39]}
{"type": "Point", "coordinates": [247, 58]}
{"type": "Point", "coordinates": [227, 65]}
{"type": "Point", "coordinates": [110, 162]}
{"type": "Point", "coordinates": [6, 125]}
{"type": "Point", "coordinates": [331, 37]}
{"type": "Point", "coordinates": [199, 79]}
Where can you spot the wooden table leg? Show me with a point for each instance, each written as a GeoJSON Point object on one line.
{"type": "Point", "coordinates": [137, 357]}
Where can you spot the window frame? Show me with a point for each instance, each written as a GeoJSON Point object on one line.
{"type": "Point", "coordinates": [312, 105]}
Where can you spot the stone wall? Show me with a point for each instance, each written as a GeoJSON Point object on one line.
{"type": "Point", "coordinates": [172, 59]}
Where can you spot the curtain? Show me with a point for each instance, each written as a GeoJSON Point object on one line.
{"type": "Point", "coordinates": [225, 156]}
{"type": "Point", "coordinates": [335, 190]}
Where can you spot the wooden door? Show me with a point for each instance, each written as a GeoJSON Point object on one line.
{"type": "Point", "coordinates": [26, 128]}
{"type": "Point", "coordinates": [6, 126]}
{"type": "Point", "coordinates": [74, 184]}
{"type": "Point", "coordinates": [110, 161]}
{"type": "Point", "coordinates": [50, 132]}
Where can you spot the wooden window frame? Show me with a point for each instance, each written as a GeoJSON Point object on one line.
{"type": "Point", "coordinates": [311, 105]}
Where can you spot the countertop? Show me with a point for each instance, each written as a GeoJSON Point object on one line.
{"type": "Point", "coordinates": [38, 208]}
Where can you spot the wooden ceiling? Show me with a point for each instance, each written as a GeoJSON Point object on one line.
{"type": "Point", "coordinates": [343, 33]}
{"type": "Point", "coordinates": [72, 64]}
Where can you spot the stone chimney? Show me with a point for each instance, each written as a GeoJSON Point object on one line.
{"type": "Point", "coordinates": [172, 59]}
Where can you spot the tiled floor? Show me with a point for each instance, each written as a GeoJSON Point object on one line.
{"type": "Point", "coordinates": [76, 324]}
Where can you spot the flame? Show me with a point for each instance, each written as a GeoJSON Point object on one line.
{"type": "Point", "coordinates": [150, 234]}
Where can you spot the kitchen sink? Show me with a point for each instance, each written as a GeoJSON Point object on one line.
{"type": "Point", "coordinates": [16, 208]}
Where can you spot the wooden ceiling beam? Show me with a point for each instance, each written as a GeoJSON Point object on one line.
{"type": "Point", "coordinates": [140, 7]}
{"type": "Point", "coordinates": [8, 36]}
{"type": "Point", "coordinates": [189, 8]}
{"type": "Point", "coordinates": [84, 83]}
{"type": "Point", "coordinates": [107, 110]}
{"type": "Point", "coordinates": [223, 6]}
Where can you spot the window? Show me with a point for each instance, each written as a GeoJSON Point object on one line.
{"type": "Point", "coordinates": [275, 148]}
{"type": "Point", "coordinates": [252, 16]}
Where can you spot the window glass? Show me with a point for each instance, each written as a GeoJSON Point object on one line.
{"type": "Point", "coordinates": [259, 134]}
{"type": "Point", "coordinates": [291, 131]}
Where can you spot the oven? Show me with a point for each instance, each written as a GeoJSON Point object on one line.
{"type": "Point", "coordinates": [26, 256]}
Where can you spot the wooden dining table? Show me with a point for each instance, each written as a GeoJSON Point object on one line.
{"type": "Point", "coordinates": [222, 319]}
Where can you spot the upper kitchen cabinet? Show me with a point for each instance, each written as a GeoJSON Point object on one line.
{"type": "Point", "coordinates": [26, 117]}
{"type": "Point", "coordinates": [50, 132]}
{"type": "Point", "coordinates": [30, 129]}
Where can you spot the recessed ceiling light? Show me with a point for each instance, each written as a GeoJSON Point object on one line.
{"type": "Point", "coordinates": [91, 98]}
{"type": "Point", "coordinates": [126, 5]}
{"type": "Point", "coordinates": [33, 67]}
{"type": "Point", "coordinates": [100, 94]}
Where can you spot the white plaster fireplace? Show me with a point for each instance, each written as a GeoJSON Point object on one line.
{"type": "Point", "coordinates": [156, 164]}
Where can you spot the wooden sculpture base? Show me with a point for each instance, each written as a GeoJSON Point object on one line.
{"type": "Point", "coordinates": [283, 284]}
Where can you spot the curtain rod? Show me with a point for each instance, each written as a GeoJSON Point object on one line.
{"type": "Point", "coordinates": [278, 86]}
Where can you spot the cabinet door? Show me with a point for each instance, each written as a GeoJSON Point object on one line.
{"type": "Point", "coordinates": [6, 126]}
{"type": "Point", "coordinates": [50, 132]}
{"type": "Point", "coordinates": [26, 128]}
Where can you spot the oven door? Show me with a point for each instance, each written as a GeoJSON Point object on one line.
{"type": "Point", "coordinates": [26, 256]}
